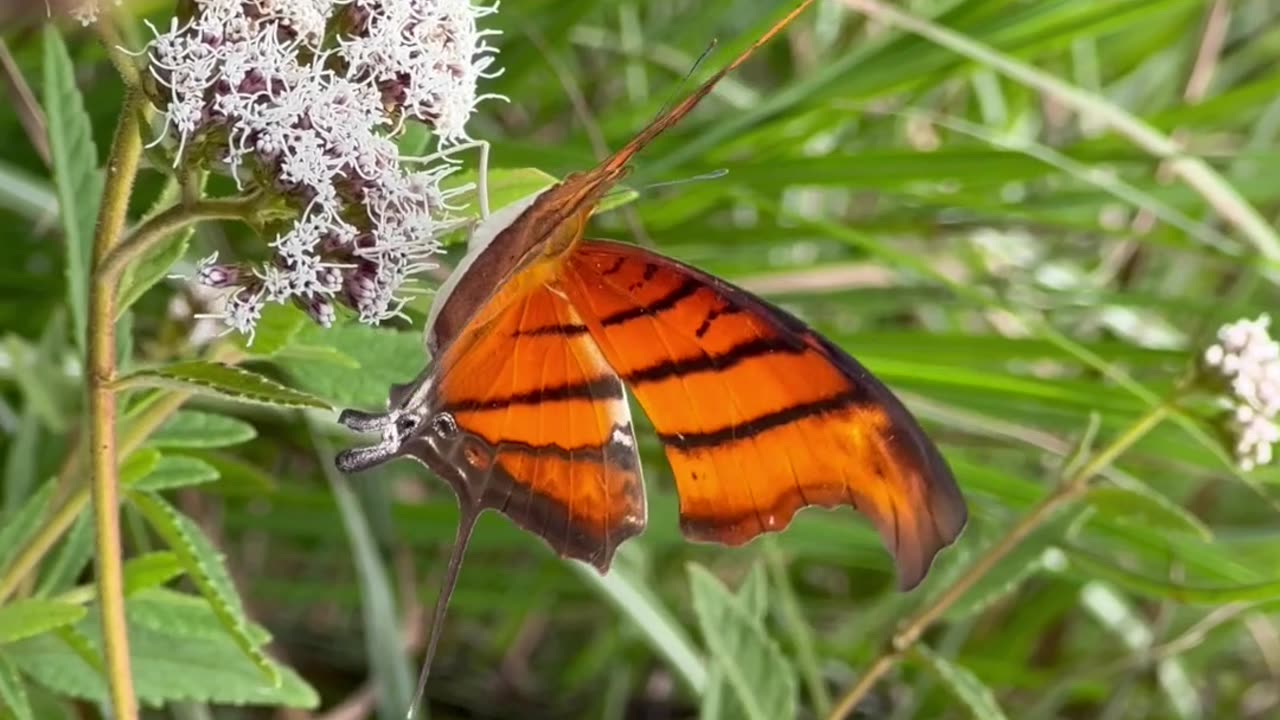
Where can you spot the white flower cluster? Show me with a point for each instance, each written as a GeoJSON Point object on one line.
{"type": "Point", "coordinates": [1247, 360]}
{"type": "Point", "coordinates": [303, 99]}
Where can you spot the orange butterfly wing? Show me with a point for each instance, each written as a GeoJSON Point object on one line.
{"type": "Point", "coordinates": [759, 415]}
{"type": "Point", "coordinates": [545, 430]}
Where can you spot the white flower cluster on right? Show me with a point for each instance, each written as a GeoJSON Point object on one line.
{"type": "Point", "coordinates": [1247, 360]}
{"type": "Point", "coordinates": [302, 100]}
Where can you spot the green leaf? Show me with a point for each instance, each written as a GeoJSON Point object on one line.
{"type": "Point", "coordinates": [203, 564]}
{"type": "Point", "coordinates": [71, 559]}
{"type": "Point", "coordinates": [139, 464]}
{"type": "Point", "coordinates": [966, 686]}
{"type": "Point", "coordinates": [321, 354]}
{"type": "Point", "coordinates": [150, 570]}
{"type": "Point", "coordinates": [1103, 569]}
{"type": "Point", "coordinates": [646, 611]}
{"type": "Point", "coordinates": [1025, 561]}
{"type": "Point", "coordinates": [19, 527]}
{"type": "Point", "coordinates": [1144, 504]}
{"type": "Point", "coordinates": [238, 477]}
{"type": "Point", "coordinates": [385, 356]}
{"type": "Point", "coordinates": [274, 333]}
{"type": "Point", "coordinates": [156, 262]}
{"type": "Point", "coordinates": [176, 471]}
{"type": "Point", "coordinates": [753, 594]}
{"type": "Point", "coordinates": [186, 663]}
{"type": "Point", "coordinates": [13, 691]}
{"type": "Point", "coordinates": [26, 618]}
{"type": "Point", "coordinates": [76, 178]}
{"type": "Point", "coordinates": [506, 186]}
{"type": "Point", "coordinates": [753, 664]}
{"type": "Point", "coordinates": [193, 429]}
{"type": "Point", "coordinates": [224, 381]}
{"type": "Point", "coordinates": [182, 615]}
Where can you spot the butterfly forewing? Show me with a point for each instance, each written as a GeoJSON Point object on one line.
{"type": "Point", "coordinates": [548, 426]}
{"type": "Point", "coordinates": [759, 416]}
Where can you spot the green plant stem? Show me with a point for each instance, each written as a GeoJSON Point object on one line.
{"type": "Point", "coordinates": [100, 364]}
{"type": "Point", "coordinates": [50, 532]}
{"type": "Point", "coordinates": [165, 224]}
{"type": "Point", "coordinates": [1067, 491]}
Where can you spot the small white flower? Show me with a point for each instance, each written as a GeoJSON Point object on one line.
{"type": "Point", "coordinates": [1246, 361]}
{"type": "Point", "coordinates": [302, 98]}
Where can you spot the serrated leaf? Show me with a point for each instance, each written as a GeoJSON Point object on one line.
{"type": "Point", "coordinates": [966, 686]}
{"type": "Point", "coordinates": [174, 471]}
{"type": "Point", "coordinates": [1147, 506]}
{"type": "Point", "coordinates": [26, 618]}
{"type": "Point", "coordinates": [182, 615]}
{"type": "Point", "coordinates": [193, 429]}
{"type": "Point", "coordinates": [76, 177]}
{"type": "Point", "coordinates": [139, 464]}
{"type": "Point", "coordinates": [71, 559]}
{"type": "Point", "coordinates": [21, 526]}
{"type": "Point", "coordinates": [226, 381]}
{"type": "Point", "coordinates": [752, 663]}
{"type": "Point", "coordinates": [150, 570]}
{"type": "Point", "coordinates": [13, 691]}
{"type": "Point", "coordinates": [203, 564]}
{"type": "Point", "coordinates": [199, 667]}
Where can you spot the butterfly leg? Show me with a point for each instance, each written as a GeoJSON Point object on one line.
{"type": "Point", "coordinates": [364, 422]}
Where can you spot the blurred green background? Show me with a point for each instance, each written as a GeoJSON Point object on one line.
{"type": "Point", "coordinates": [1025, 275]}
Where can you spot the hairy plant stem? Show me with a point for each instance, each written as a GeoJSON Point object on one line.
{"type": "Point", "coordinates": [111, 258]}
{"type": "Point", "coordinates": [100, 372]}
{"type": "Point", "coordinates": [1068, 490]}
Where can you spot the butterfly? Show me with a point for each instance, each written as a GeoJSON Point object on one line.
{"type": "Point", "coordinates": [536, 338]}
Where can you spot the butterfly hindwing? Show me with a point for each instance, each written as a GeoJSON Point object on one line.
{"type": "Point", "coordinates": [758, 414]}
{"type": "Point", "coordinates": [544, 425]}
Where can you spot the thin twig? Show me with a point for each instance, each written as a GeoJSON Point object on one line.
{"type": "Point", "coordinates": [1068, 490]}
{"type": "Point", "coordinates": [29, 113]}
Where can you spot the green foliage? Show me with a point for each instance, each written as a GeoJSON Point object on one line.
{"type": "Point", "coordinates": [224, 381]}
{"type": "Point", "coordinates": [191, 429]}
{"type": "Point", "coordinates": [752, 664]}
{"type": "Point", "coordinates": [1024, 217]}
{"type": "Point", "coordinates": [75, 171]}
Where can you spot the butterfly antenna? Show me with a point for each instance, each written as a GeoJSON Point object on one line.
{"type": "Point", "coordinates": [468, 514]}
{"type": "Point", "coordinates": [684, 81]}
{"type": "Point", "coordinates": [613, 167]}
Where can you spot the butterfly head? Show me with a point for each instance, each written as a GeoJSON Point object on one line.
{"type": "Point", "coordinates": [410, 416]}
